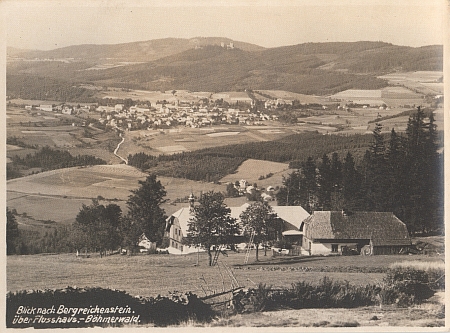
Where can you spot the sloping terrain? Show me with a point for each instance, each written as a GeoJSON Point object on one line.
{"type": "Point", "coordinates": [311, 68]}
{"type": "Point", "coordinates": [131, 52]}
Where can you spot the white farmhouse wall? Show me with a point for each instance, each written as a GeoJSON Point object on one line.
{"type": "Point", "coordinates": [325, 248]}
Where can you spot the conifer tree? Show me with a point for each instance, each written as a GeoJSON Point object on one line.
{"type": "Point", "coordinates": [145, 210]}
{"type": "Point", "coordinates": [375, 180]}
{"type": "Point", "coordinates": [325, 183]}
{"type": "Point", "coordinates": [351, 184]}
{"type": "Point", "coordinates": [423, 167]}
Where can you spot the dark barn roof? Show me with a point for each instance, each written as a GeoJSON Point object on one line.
{"type": "Point", "coordinates": [382, 228]}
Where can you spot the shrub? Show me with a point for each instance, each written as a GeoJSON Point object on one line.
{"type": "Point", "coordinates": [406, 286]}
{"type": "Point", "coordinates": [435, 271]}
{"type": "Point", "coordinates": [327, 294]}
{"type": "Point", "coordinates": [253, 300]}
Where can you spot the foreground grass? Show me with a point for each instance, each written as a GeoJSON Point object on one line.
{"type": "Point", "coordinates": [426, 315]}
{"type": "Point", "coordinates": [150, 275]}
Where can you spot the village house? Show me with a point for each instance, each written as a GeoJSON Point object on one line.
{"type": "Point", "coordinates": [335, 232]}
{"type": "Point", "coordinates": [145, 245]}
{"type": "Point", "coordinates": [177, 224]}
{"type": "Point", "coordinates": [44, 107]}
{"type": "Point", "coordinates": [118, 107]}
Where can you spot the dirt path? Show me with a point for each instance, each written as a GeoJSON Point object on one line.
{"type": "Point", "coordinates": [117, 149]}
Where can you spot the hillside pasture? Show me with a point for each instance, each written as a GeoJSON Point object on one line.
{"type": "Point", "coordinates": [42, 207]}
{"type": "Point", "coordinates": [157, 142]}
{"type": "Point", "coordinates": [58, 194]}
{"type": "Point", "coordinates": [54, 136]}
{"type": "Point", "coordinates": [18, 151]}
{"type": "Point", "coordinates": [251, 170]}
{"type": "Point", "coordinates": [424, 82]}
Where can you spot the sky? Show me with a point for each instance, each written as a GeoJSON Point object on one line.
{"type": "Point", "coordinates": [51, 24]}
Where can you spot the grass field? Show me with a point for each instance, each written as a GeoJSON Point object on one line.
{"type": "Point", "coordinates": [65, 190]}
{"type": "Point", "coordinates": [425, 82]}
{"type": "Point", "coordinates": [251, 170]}
{"type": "Point", "coordinates": [190, 139]}
{"type": "Point", "coordinates": [359, 319]}
{"type": "Point", "coordinates": [150, 275]}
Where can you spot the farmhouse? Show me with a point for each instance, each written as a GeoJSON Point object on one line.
{"type": "Point", "coordinates": [177, 224]}
{"type": "Point", "coordinates": [333, 232]}
{"type": "Point", "coordinates": [145, 244]}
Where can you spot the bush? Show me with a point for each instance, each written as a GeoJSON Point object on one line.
{"type": "Point", "coordinates": [253, 300]}
{"type": "Point", "coordinates": [327, 294]}
{"type": "Point", "coordinates": [406, 286]}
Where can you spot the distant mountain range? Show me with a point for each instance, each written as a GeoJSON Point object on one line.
{"type": "Point", "coordinates": [131, 52]}
{"type": "Point", "coordinates": [220, 64]}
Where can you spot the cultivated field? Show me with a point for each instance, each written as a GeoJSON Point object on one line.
{"type": "Point", "coordinates": [304, 99]}
{"type": "Point", "coordinates": [425, 82]}
{"type": "Point", "coordinates": [169, 141]}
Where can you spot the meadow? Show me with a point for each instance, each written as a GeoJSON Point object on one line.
{"type": "Point", "coordinates": [169, 141]}
{"type": "Point", "coordinates": [162, 274]}
{"type": "Point", "coordinates": [65, 190]}
{"type": "Point", "coordinates": [150, 275]}
{"type": "Point", "coordinates": [251, 170]}
{"type": "Point", "coordinates": [425, 82]}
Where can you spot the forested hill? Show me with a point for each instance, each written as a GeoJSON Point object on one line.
{"type": "Point", "coordinates": [311, 68]}
{"type": "Point", "coordinates": [314, 68]}
{"type": "Point", "coordinates": [131, 52]}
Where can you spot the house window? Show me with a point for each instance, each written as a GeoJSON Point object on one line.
{"type": "Point", "coordinates": [179, 232]}
{"type": "Point", "coordinates": [334, 248]}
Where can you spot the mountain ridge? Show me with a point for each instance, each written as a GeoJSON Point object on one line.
{"type": "Point", "coordinates": [148, 50]}
{"type": "Point", "coordinates": [197, 65]}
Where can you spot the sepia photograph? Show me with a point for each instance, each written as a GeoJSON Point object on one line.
{"type": "Point", "coordinates": [263, 165]}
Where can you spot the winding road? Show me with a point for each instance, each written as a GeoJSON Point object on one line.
{"type": "Point", "coordinates": [117, 149]}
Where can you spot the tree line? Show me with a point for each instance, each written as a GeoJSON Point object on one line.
{"type": "Point", "coordinates": [211, 164]}
{"type": "Point", "coordinates": [49, 159]}
{"type": "Point", "coordinates": [402, 174]}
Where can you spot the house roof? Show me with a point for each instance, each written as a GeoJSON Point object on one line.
{"type": "Point", "coordinates": [382, 228]}
{"type": "Point", "coordinates": [183, 215]}
{"type": "Point", "coordinates": [291, 215]}
{"type": "Point", "coordinates": [292, 233]}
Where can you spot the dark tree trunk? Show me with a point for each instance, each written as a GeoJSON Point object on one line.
{"type": "Point", "coordinates": [209, 256]}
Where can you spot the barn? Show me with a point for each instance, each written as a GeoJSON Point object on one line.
{"type": "Point", "coordinates": [336, 232]}
{"type": "Point", "coordinates": [177, 225]}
